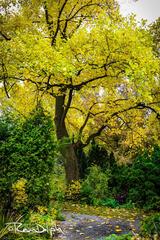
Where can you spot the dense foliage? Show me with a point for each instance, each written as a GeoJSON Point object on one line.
{"type": "Point", "coordinates": [133, 184]}
{"type": "Point", "coordinates": [139, 182]}
{"type": "Point", "coordinates": [121, 237]}
{"type": "Point", "coordinates": [95, 186]}
{"type": "Point", "coordinates": [151, 226]}
{"type": "Point", "coordinates": [95, 70]}
{"type": "Point", "coordinates": [96, 155]}
{"type": "Point", "coordinates": [27, 158]}
{"type": "Point", "coordinates": [111, 184]}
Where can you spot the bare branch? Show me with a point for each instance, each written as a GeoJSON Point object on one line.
{"type": "Point", "coordinates": [72, 9]}
{"type": "Point", "coordinates": [65, 86]}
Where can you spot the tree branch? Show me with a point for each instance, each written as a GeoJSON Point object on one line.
{"type": "Point", "coordinates": [82, 7]}
{"type": "Point", "coordinates": [87, 118]}
{"type": "Point", "coordinates": [68, 103]}
{"type": "Point", "coordinates": [48, 21]}
{"type": "Point", "coordinates": [5, 36]}
{"type": "Point", "coordinates": [66, 86]}
{"type": "Point", "coordinates": [83, 126]}
{"type": "Point", "coordinates": [84, 83]}
{"type": "Point", "coordinates": [142, 106]}
{"type": "Point", "coordinates": [5, 76]}
{"type": "Point", "coordinates": [137, 106]}
{"type": "Point", "coordinates": [58, 23]}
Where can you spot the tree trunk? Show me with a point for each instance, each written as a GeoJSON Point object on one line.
{"type": "Point", "coordinates": [68, 151]}
{"type": "Point", "coordinates": [71, 163]}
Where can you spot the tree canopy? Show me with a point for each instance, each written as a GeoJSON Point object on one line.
{"type": "Point", "coordinates": [95, 69]}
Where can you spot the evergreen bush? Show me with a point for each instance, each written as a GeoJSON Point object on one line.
{"type": "Point", "coordinates": [26, 152]}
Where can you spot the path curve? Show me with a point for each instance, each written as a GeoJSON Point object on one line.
{"type": "Point", "coordinates": [82, 226]}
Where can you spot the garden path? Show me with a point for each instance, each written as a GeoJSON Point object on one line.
{"type": "Point", "coordinates": [82, 226]}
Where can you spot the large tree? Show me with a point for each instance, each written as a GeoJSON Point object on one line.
{"type": "Point", "coordinates": [98, 69]}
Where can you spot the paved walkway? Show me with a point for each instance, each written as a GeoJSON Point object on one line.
{"type": "Point", "coordinates": [81, 226]}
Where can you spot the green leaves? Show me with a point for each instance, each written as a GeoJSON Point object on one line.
{"type": "Point", "coordinates": [151, 226]}
{"type": "Point", "coordinates": [27, 151]}
{"type": "Point", "coordinates": [95, 186]}
{"type": "Point", "coordinates": [101, 63]}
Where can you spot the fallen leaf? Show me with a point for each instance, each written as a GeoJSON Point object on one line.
{"type": "Point", "coordinates": [118, 230]}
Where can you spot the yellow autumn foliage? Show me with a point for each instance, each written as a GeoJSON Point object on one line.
{"type": "Point", "coordinates": [19, 192]}
{"type": "Point", "coordinates": [73, 190]}
{"type": "Point", "coordinates": [43, 216]}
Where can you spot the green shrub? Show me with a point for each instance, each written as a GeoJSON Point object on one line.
{"type": "Point", "coordinates": [138, 183]}
{"type": "Point", "coordinates": [44, 217]}
{"type": "Point", "coordinates": [151, 226]}
{"type": "Point", "coordinates": [95, 186]}
{"type": "Point", "coordinates": [20, 197]}
{"type": "Point", "coordinates": [128, 205]}
{"type": "Point", "coordinates": [26, 152]}
{"type": "Point", "coordinates": [132, 185]}
{"type": "Point", "coordinates": [143, 178]}
{"type": "Point", "coordinates": [12, 236]}
{"type": "Point", "coordinates": [121, 237]}
{"type": "Point", "coordinates": [109, 202]}
{"type": "Point", "coordinates": [99, 156]}
{"type": "Point", "coordinates": [73, 191]}
{"type": "Point", "coordinates": [58, 187]}
{"type": "Point", "coordinates": [96, 155]}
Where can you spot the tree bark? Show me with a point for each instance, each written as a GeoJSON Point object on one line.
{"type": "Point", "coordinates": [68, 151]}
{"type": "Point", "coordinates": [71, 163]}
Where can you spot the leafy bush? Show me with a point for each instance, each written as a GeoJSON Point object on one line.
{"type": "Point", "coordinates": [73, 191]}
{"type": "Point", "coordinates": [132, 185]}
{"type": "Point", "coordinates": [25, 237]}
{"type": "Point", "coordinates": [44, 217]}
{"type": "Point", "coordinates": [58, 187]}
{"type": "Point", "coordinates": [138, 183]}
{"type": "Point", "coordinates": [127, 205]}
{"type": "Point", "coordinates": [109, 202]}
{"type": "Point", "coordinates": [121, 237]}
{"type": "Point", "coordinates": [19, 193]}
{"type": "Point", "coordinates": [151, 226]}
{"type": "Point", "coordinates": [26, 152]}
{"type": "Point", "coordinates": [143, 178]}
{"type": "Point", "coordinates": [95, 186]}
{"type": "Point", "coordinates": [99, 156]}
